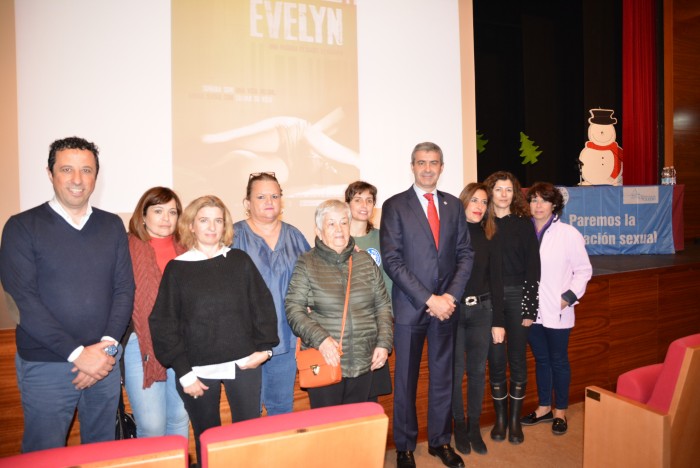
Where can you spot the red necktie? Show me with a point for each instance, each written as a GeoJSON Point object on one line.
{"type": "Point", "coordinates": [433, 219]}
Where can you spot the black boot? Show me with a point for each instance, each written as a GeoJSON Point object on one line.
{"type": "Point", "coordinates": [515, 429]}
{"type": "Point", "coordinates": [474, 435]}
{"type": "Point", "coordinates": [499, 393]}
{"type": "Point", "coordinates": [461, 439]}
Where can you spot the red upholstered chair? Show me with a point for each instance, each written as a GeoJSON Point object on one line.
{"type": "Point", "coordinates": [654, 385]}
{"type": "Point", "coordinates": [653, 419]}
{"type": "Point", "coordinates": [153, 452]}
{"type": "Point", "coordinates": [638, 384]}
{"type": "Point", "coordinates": [337, 436]}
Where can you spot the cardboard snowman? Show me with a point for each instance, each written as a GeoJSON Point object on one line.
{"type": "Point", "coordinates": [601, 158]}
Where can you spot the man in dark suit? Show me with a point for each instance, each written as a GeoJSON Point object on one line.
{"type": "Point", "coordinates": [428, 256]}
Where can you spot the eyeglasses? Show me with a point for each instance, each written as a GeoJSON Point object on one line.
{"type": "Point", "coordinates": [259, 174]}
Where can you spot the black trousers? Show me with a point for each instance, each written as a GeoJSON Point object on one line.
{"type": "Point", "coordinates": [348, 390]}
{"type": "Point", "coordinates": [471, 348]}
{"type": "Point", "coordinates": [515, 345]}
{"type": "Point", "coordinates": [243, 394]}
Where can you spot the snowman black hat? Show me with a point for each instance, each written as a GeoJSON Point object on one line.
{"type": "Point", "coordinates": [602, 117]}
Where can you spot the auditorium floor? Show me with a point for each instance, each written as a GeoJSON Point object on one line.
{"type": "Point", "coordinates": [540, 449]}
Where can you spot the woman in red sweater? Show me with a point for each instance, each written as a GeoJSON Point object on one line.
{"type": "Point", "coordinates": [153, 242]}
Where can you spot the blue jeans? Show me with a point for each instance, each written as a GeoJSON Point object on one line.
{"type": "Point", "coordinates": [158, 410]}
{"type": "Point", "coordinates": [278, 376]}
{"type": "Point", "coordinates": [550, 348]}
{"type": "Point", "coordinates": [515, 345]}
{"type": "Point", "coordinates": [473, 338]}
{"type": "Point", "coordinates": [49, 400]}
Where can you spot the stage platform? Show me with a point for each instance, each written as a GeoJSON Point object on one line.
{"type": "Point", "coordinates": [613, 264]}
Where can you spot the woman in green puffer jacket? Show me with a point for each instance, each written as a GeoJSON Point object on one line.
{"type": "Point", "coordinates": [314, 307]}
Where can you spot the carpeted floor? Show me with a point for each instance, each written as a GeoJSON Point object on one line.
{"type": "Point", "coordinates": [541, 448]}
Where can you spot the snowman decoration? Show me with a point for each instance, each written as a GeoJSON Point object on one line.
{"type": "Point", "coordinates": [601, 158]}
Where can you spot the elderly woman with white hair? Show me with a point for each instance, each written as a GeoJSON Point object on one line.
{"type": "Point", "coordinates": [315, 302]}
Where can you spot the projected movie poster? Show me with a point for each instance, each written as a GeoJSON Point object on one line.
{"type": "Point", "coordinates": [265, 86]}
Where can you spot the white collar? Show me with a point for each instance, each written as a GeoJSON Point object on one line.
{"type": "Point", "coordinates": [422, 192]}
{"type": "Point", "coordinates": [194, 255]}
{"type": "Point", "coordinates": [58, 208]}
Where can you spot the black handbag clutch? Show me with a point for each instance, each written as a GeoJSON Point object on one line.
{"type": "Point", "coordinates": [126, 424]}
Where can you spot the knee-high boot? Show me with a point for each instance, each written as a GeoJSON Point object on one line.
{"type": "Point", "coordinates": [515, 429]}
{"type": "Point", "coordinates": [499, 393]}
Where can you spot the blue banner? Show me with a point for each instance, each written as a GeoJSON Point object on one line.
{"type": "Point", "coordinates": [628, 220]}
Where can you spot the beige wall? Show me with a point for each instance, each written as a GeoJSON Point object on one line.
{"type": "Point", "coordinates": [9, 162]}
{"type": "Point", "coordinates": [466, 50]}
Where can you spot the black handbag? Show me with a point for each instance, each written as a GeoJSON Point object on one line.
{"type": "Point", "coordinates": [126, 424]}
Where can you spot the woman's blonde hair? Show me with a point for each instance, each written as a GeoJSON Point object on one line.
{"type": "Point", "coordinates": [187, 219]}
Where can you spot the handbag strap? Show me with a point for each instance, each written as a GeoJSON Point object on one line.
{"type": "Point", "coordinates": [345, 307]}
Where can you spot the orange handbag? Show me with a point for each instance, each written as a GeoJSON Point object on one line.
{"type": "Point", "coordinates": [314, 371]}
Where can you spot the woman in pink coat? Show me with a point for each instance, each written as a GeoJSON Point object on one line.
{"type": "Point", "coordinates": [564, 275]}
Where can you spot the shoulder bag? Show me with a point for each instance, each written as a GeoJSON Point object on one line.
{"type": "Point", "coordinates": [313, 370]}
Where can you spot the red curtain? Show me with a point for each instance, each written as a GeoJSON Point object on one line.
{"type": "Point", "coordinates": [639, 93]}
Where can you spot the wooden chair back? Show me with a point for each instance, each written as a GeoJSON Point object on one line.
{"type": "Point", "coordinates": [338, 436]}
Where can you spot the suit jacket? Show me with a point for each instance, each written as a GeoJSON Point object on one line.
{"type": "Point", "coordinates": [411, 259]}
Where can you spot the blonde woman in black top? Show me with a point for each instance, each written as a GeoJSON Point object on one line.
{"type": "Point", "coordinates": [214, 319]}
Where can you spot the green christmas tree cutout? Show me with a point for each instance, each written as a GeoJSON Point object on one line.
{"type": "Point", "coordinates": [480, 142]}
{"type": "Point", "coordinates": [528, 150]}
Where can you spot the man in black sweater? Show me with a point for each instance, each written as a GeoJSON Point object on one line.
{"type": "Point", "coordinates": [67, 266]}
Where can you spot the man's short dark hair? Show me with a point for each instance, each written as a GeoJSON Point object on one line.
{"type": "Point", "coordinates": [73, 143]}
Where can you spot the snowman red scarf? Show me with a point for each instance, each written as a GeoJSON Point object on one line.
{"type": "Point", "coordinates": [617, 154]}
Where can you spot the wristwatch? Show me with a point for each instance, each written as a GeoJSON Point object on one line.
{"type": "Point", "coordinates": [111, 350]}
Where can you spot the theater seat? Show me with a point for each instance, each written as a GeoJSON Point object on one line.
{"type": "Point", "coordinates": [638, 384]}
{"type": "Point", "coordinates": [338, 436]}
{"type": "Point", "coordinates": [653, 419]}
{"type": "Point", "coordinates": [152, 452]}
